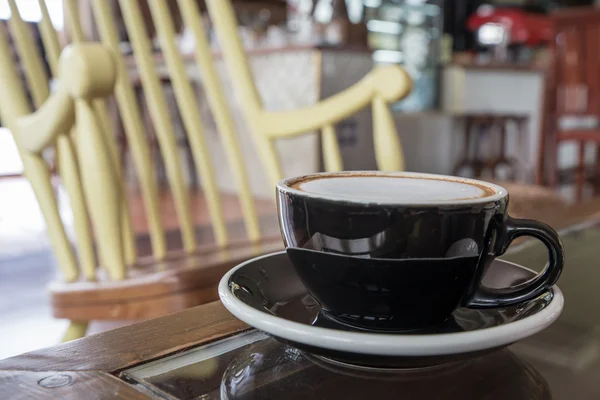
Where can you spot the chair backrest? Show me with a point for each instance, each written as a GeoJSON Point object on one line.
{"type": "Point", "coordinates": [382, 86]}
{"type": "Point", "coordinates": [575, 73]}
{"type": "Point", "coordinates": [73, 120]}
{"type": "Point", "coordinates": [84, 157]}
{"type": "Point", "coordinates": [571, 95]}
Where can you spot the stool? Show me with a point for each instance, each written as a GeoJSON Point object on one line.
{"type": "Point", "coordinates": [491, 128]}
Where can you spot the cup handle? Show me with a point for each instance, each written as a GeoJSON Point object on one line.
{"type": "Point", "coordinates": [486, 297]}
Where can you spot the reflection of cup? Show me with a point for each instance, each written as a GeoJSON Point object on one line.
{"type": "Point", "coordinates": [269, 370]}
{"type": "Point", "coordinates": [397, 251]}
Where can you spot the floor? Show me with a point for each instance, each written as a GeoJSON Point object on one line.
{"type": "Point", "coordinates": [27, 263]}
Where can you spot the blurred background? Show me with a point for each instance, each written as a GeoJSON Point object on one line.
{"type": "Point", "coordinates": [505, 91]}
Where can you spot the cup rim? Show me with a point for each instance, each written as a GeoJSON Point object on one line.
{"type": "Point", "coordinates": [285, 186]}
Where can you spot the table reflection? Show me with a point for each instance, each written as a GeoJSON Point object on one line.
{"type": "Point", "coordinates": [254, 366]}
{"type": "Point", "coordinates": [269, 370]}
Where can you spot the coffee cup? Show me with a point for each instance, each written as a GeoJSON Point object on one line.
{"type": "Point", "coordinates": [401, 251]}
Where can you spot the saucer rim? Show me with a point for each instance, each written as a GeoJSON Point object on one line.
{"type": "Point", "coordinates": [384, 344]}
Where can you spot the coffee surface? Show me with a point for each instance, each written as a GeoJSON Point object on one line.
{"type": "Point", "coordinates": [380, 188]}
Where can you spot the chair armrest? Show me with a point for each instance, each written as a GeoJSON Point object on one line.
{"type": "Point", "coordinates": [38, 130]}
{"type": "Point", "coordinates": [86, 71]}
{"type": "Point", "coordinates": [391, 83]}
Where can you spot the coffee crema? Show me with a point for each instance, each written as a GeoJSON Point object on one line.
{"type": "Point", "coordinates": [391, 188]}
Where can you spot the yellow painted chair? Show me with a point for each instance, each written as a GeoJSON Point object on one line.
{"type": "Point", "coordinates": [105, 279]}
{"type": "Point", "coordinates": [380, 87]}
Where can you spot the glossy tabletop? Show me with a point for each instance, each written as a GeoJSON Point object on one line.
{"type": "Point", "coordinates": [205, 353]}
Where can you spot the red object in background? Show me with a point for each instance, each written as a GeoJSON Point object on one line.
{"type": "Point", "coordinates": [524, 28]}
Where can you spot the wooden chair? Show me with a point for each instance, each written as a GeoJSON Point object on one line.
{"type": "Point", "coordinates": [381, 86]}
{"type": "Point", "coordinates": [572, 95]}
{"type": "Point", "coordinates": [104, 278]}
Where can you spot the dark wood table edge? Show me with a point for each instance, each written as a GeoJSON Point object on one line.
{"type": "Point", "coordinates": [15, 385]}
{"type": "Point", "coordinates": [71, 369]}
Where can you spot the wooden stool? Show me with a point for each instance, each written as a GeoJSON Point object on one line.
{"type": "Point", "coordinates": [491, 128]}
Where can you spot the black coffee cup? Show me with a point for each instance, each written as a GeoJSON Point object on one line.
{"type": "Point", "coordinates": [402, 251]}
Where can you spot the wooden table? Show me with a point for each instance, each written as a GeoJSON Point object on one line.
{"type": "Point", "coordinates": [561, 363]}
{"type": "Point", "coordinates": [91, 365]}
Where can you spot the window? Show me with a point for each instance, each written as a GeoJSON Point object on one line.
{"type": "Point", "coordinates": [30, 11]}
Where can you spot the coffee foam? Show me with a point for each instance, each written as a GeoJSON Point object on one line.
{"type": "Point", "coordinates": [393, 188]}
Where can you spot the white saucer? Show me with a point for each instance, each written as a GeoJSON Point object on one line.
{"type": "Point", "coordinates": [266, 293]}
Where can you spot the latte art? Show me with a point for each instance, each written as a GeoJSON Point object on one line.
{"type": "Point", "coordinates": [389, 188]}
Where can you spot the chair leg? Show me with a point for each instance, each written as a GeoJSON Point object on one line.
{"type": "Point", "coordinates": [553, 164]}
{"type": "Point", "coordinates": [76, 330]}
{"type": "Point", "coordinates": [596, 173]}
{"type": "Point", "coordinates": [481, 144]}
{"type": "Point", "coordinates": [540, 177]}
{"type": "Point", "coordinates": [580, 172]}
{"type": "Point", "coordinates": [464, 160]}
